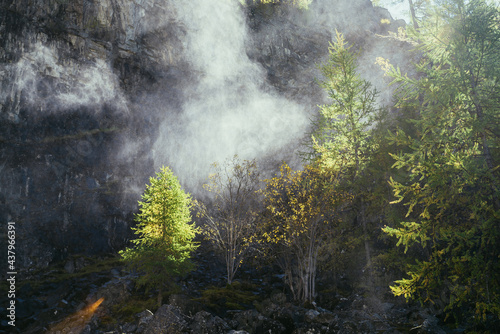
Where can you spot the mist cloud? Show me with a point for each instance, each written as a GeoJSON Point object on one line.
{"type": "Point", "coordinates": [231, 110]}
{"type": "Point", "coordinates": [48, 84]}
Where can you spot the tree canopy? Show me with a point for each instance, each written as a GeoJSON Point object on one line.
{"type": "Point", "coordinates": [300, 217]}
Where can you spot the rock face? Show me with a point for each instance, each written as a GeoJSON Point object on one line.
{"type": "Point", "coordinates": [73, 76]}
{"type": "Point", "coordinates": [95, 95]}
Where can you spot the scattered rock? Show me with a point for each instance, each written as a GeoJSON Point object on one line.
{"type": "Point", "coordinates": [254, 322]}
{"type": "Point", "coordinates": [325, 318]}
{"type": "Point", "coordinates": [129, 328]}
{"type": "Point", "coordinates": [185, 304]}
{"type": "Point", "coordinates": [168, 319]}
{"type": "Point", "coordinates": [205, 323]}
{"type": "Point", "coordinates": [144, 318]}
{"type": "Point", "coordinates": [311, 315]}
{"type": "Point", "coordinates": [115, 291]}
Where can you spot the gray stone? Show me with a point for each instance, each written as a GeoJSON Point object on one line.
{"type": "Point", "coordinates": [254, 322]}
{"type": "Point", "coordinates": [205, 323]}
{"type": "Point", "coordinates": [144, 318]}
{"type": "Point", "coordinates": [167, 320]}
{"type": "Point", "coordinates": [70, 266]}
{"type": "Point", "coordinates": [311, 315]}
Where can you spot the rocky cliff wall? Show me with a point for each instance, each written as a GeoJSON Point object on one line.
{"type": "Point", "coordinates": [95, 95]}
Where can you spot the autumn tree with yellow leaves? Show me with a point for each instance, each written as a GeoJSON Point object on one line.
{"type": "Point", "coordinates": [300, 211]}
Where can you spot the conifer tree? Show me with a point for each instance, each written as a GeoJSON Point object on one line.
{"type": "Point", "coordinates": [453, 188]}
{"type": "Point", "coordinates": [343, 136]}
{"type": "Point", "coordinates": [165, 237]}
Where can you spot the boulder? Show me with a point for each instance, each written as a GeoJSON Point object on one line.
{"type": "Point", "coordinates": [114, 292]}
{"type": "Point", "coordinates": [185, 304]}
{"type": "Point", "coordinates": [168, 319]}
{"type": "Point", "coordinates": [206, 323]}
{"type": "Point", "coordinates": [143, 320]}
{"type": "Point", "coordinates": [323, 317]}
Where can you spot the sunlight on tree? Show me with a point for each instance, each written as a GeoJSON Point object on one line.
{"type": "Point", "coordinates": [301, 216]}
{"type": "Point", "coordinates": [342, 135]}
{"type": "Point", "coordinates": [452, 191]}
{"type": "Point", "coordinates": [165, 237]}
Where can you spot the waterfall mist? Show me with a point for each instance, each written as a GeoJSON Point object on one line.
{"type": "Point", "coordinates": [97, 95]}
{"type": "Point", "coordinates": [227, 96]}
{"type": "Point", "coordinates": [231, 109]}
{"type": "Point", "coordinates": [47, 85]}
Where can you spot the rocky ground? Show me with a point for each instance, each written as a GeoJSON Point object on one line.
{"type": "Point", "coordinates": [88, 295]}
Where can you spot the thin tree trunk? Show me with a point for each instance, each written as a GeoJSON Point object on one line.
{"type": "Point", "coordinates": [413, 15]}
{"type": "Point", "coordinates": [160, 296]}
{"type": "Point", "coordinates": [228, 267]}
{"type": "Point", "coordinates": [367, 245]}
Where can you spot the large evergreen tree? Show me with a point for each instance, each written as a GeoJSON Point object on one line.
{"type": "Point", "coordinates": [165, 237]}
{"type": "Point", "coordinates": [343, 136]}
{"type": "Point", "coordinates": [453, 188]}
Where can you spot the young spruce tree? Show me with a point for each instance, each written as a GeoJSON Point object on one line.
{"type": "Point", "coordinates": [165, 237]}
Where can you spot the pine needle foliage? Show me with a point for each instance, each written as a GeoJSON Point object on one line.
{"type": "Point", "coordinates": [452, 191]}
{"type": "Point", "coordinates": [342, 135]}
{"type": "Point", "coordinates": [165, 236]}
{"type": "Point", "coordinates": [343, 138]}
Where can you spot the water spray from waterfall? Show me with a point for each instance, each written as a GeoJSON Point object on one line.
{"type": "Point", "coordinates": [231, 109]}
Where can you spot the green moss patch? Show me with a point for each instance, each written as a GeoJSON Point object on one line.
{"type": "Point", "coordinates": [57, 273]}
{"type": "Point", "coordinates": [235, 296]}
{"type": "Point", "coordinates": [127, 310]}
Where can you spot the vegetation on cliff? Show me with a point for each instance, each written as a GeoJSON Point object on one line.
{"type": "Point", "coordinates": [402, 201]}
